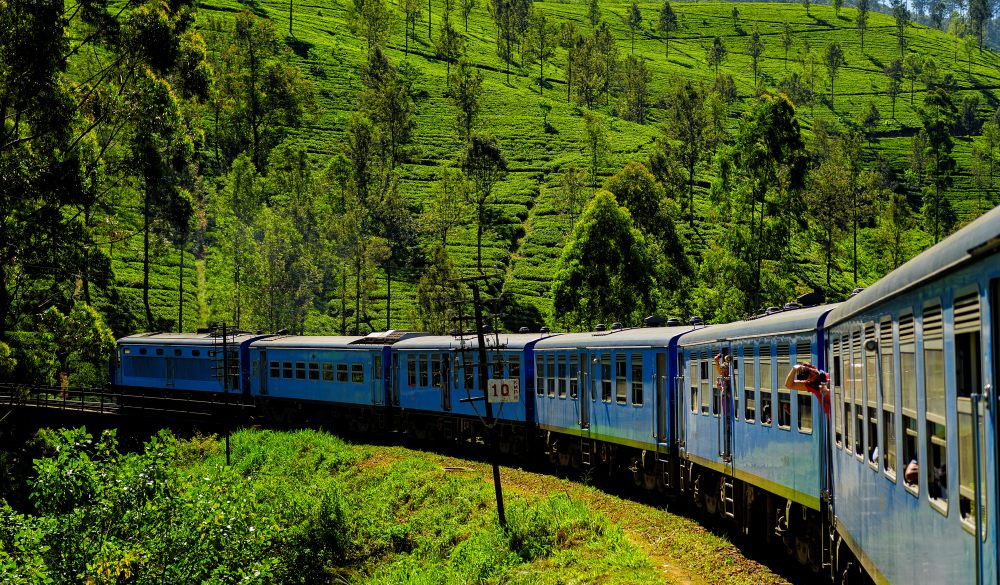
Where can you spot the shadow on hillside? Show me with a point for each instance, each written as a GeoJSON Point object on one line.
{"type": "Point", "coordinates": [299, 47]}
{"type": "Point", "coordinates": [254, 6]}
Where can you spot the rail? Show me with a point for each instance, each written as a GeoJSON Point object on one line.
{"type": "Point", "coordinates": [90, 400]}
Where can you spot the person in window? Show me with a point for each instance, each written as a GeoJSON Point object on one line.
{"type": "Point", "coordinates": [911, 475]}
{"type": "Point", "coordinates": [809, 378]}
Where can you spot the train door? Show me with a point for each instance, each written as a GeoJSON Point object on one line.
{"type": "Point", "coordinates": [375, 380]}
{"type": "Point", "coordinates": [263, 371]}
{"type": "Point", "coordinates": [446, 385]}
{"type": "Point", "coordinates": [660, 380]}
{"type": "Point", "coordinates": [680, 395]}
{"type": "Point", "coordinates": [989, 470]}
{"type": "Point", "coordinates": [723, 389]}
{"type": "Point", "coordinates": [169, 371]}
{"type": "Point", "coordinates": [587, 390]}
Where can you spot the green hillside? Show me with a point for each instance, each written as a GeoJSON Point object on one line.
{"type": "Point", "coordinates": [331, 56]}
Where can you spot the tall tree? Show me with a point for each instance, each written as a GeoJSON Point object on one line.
{"type": "Point", "coordinates": [605, 272]}
{"type": "Point", "coordinates": [667, 25]}
{"type": "Point", "coordinates": [411, 13]}
{"type": "Point", "coordinates": [467, 7]}
{"type": "Point", "coordinates": [466, 91]}
{"type": "Point", "coordinates": [634, 21]}
{"type": "Point", "coordinates": [833, 59]}
{"type": "Point", "coordinates": [828, 202]}
{"type": "Point", "coordinates": [447, 207]}
{"type": "Point", "coordinates": [837, 4]}
{"type": "Point", "coordinates": [892, 231]}
{"type": "Point", "coordinates": [755, 48]}
{"type": "Point", "coordinates": [511, 18]}
{"type": "Point", "coordinates": [787, 39]}
{"type": "Point", "coordinates": [593, 12]}
{"type": "Point", "coordinates": [569, 39]}
{"type": "Point", "coordinates": [596, 142]}
{"type": "Point", "coordinates": [980, 13]}
{"type": "Point", "coordinates": [541, 41]}
{"type": "Point", "coordinates": [715, 54]}
{"type": "Point", "coordinates": [372, 19]}
{"type": "Point", "coordinates": [938, 116]}
{"type": "Point", "coordinates": [485, 165]}
{"type": "Point", "coordinates": [895, 74]}
{"type": "Point", "coordinates": [635, 98]}
{"type": "Point", "coordinates": [604, 43]}
{"type": "Point", "coordinates": [686, 125]}
{"type": "Point", "coordinates": [386, 99]}
{"type": "Point", "coordinates": [450, 45]}
{"type": "Point", "coordinates": [572, 181]}
{"type": "Point", "coordinates": [901, 15]}
{"type": "Point", "coordinates": [862, 20]}
{"type": "Point", "coordinates": [913, 66]}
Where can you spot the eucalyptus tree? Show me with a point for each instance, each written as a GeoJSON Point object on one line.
{"type": "Point", "coordinates": [666, 25]}
{"type": "Point", "coordinates": [485, 165]}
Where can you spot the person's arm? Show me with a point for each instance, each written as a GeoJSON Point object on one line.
{"type": "Point", "coordinates": [792, 384]}
{"type": "Point", "coordinates": [718, 365]}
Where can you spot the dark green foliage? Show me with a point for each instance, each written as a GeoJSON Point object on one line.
{"type": "Point", "coordinates": [938, 116]}
{"type": "Point", "coordinates": [485, 165]}
{"type": "Point", "coordinates": [755, 48]}
{"type": "Point", "coordinates": [666, 25]}
{"type": "Point", "coordinates": [833, 60]}
{"type": "Point", "coordinates": [901, 14]}
{"type": "Point", "coordinates": [606, 272]}
{"type": "Point", "coordinates": [715, 54]}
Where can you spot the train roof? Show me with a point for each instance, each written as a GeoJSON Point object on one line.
{"type": "Point", "coordinates": [632, 337]}
{"type": "Point", "coordinates": [376, 339]}
{"type": "Point", "coordinates": [975, 240]}
{"type": "Point", "coordinates": [783, 322]}
{"type": "Point", "coordinates": [440, 342]}
{"type": "Point", "coordinates": [184, 339]}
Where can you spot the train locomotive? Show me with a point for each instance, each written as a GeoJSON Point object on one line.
{"type": "Point", "coordinates": [886, 475]}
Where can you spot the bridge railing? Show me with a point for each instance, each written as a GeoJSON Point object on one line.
{"type": "Point", "coordinates": [96, 400]}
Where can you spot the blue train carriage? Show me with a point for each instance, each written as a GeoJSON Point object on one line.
{"type": "Point", "coordinates": [183, 363]}
{"type": "Point", "coordinates": [914, 359]}
{"type": "Point", "coordinates": [436, 375]}
{"type": "Point", "coordinates": [340, 379]}
{"type": "Point", "coordinates": [603, 400]}
{"type": "Point", "coordinates": [752, 450]}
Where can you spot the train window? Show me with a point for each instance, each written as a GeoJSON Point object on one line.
{"type": "Point", "coordinates": [195, 352]}
{"type": "Point", "coordinates": [357, 374]}
{"type": "Point", "coordinates": [342, 373]}
{"type": "Point", "coordinates": [514, 365]}
{"type": "Point", "coordinates": [749, 386]}
{"type": "Point", "coordinates": [934, 393]}
{"type": "Point", "coordinates": [563, 376]}
{"type": "Point", "coordinates": [858, 394]}
{"type": "Point", "coordinates": [888, 393]}
{"type": "Point", "coordinates": [908, 380]}
{"type": "Point", "coordinates": [838, 395]}
{"type": "Point", "coordinates": [716, 382]}
{"type": "Point", "coordinates": [574, 372]}
{"type": "Point", "coordinates": [411, 370]}
{"type": "Point", "coordinates": [621, 378]}
{"type": "Point", "coordinates": [327, 372]}
{"type": "Point", "coordinates": [142, 351]}
{"type": "Point", "coordinates": [178, 352]}
{"type": "Point", "coordinates": [300, 370]}
{"type": "Point", "coordinates": [871, 393]}
{"type": "Point", "coordinates": [637, 379]}
{"type": "Point", "coordinates": [805, 412]}
{"type": "Point", "coordinates": [766, 387]}
{"type": "Point", "coordinates": [286, 370]}
{"type": "Point", "coordinates": [470, 373]}
{"type": "Point", "coordinates": [377, 367]}
{"type": "Point", "coordinates": [436, 370]}
{"type": "Point", "coordinates": [159, 351]}
{"type": "Point", "coordinates": [540, 375]}
{"type": "Point", "coordinates": [275, 370]}
{"type": "Point", "coordinates": [693, 373]}
{"type": "Point", "coordinates": [968, 381]}
{"type": "Point", "coordinates": [423, 371]}
{"type": "Point", "coordinates": [783, 361]}
{"type": "Point", "coordinates": [734, 385]}
{"type": "Point", "coordinates": [313, 371]}
{"type": "Point", "coordinates": [606, 377]}
{"type": "Point", "coordinates": [550, 376]}
{"type": "Point", "coordinates": [703, 382]}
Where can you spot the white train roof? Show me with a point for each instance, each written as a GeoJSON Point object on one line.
{"type": "Point", "coordinates": [787, 321]}
{"type": "Point", "coordinates": [631, 337]}
{"type": "Point", "coordinates": [448, 342]}
{"type": "Point", "coordinates": [979, 238]}
{"type": "Point", "coordinates": [198, 339]}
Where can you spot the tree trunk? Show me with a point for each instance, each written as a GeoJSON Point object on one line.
{"type": "Point", "coordinates": [180, 290]}
{"type": "Point", "coordinates": [428, 20]}
{"type": "Point", "coordinates": [479, 238]}
{"type": "Point", "coordinates": [388, 295]}
{"type": "Point", "coordinates": [357, 295]}
{"type": "Point", "coordinates": [5, 301]}
{"type": "Point", "coordinates": [343, 302]}
{"type": "Point", "coordinates": [290, 18]}
{"type": "Point", "coordinates": [145, 258]}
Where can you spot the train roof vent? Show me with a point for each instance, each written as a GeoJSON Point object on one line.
{"type": "Point", "coordinates": [855, 292]}
{"type": "Point", "coordinates": [772, 310]}
{"type": "Point", "coordinates": [653, 321]}
{"type": "Point", "coordinates": [811, 299]}
{"type": "Point", "coordinates": [385, 337]}
{"type": "Point", "coordinates": [524, 330]}
{"type": "Point", "coordinates": [673, 322]}
{"type": "Point", "coordinates": [616, 325]}
{"type": "Point", "coordinates": [695, 320]}
{"type": "Point", "coordinates": [601, 327]}
{"type": "Point", "coordinates": [792, 306]}
{"type": "Point", "coordinates": [543, 330]}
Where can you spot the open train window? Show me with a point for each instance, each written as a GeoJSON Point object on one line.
{"type": "Point", "coordinates": [888, 393]}
{"type": "Point", "coordinates": [969, 381]}
{"type": "Point", "coordinates": [142, 351]}
{"type": "Point", "coordinates": [703, 382]}
{"type": "Point", "coordinates": [286, 370]}
{"type": "Point", "coordinates": [563, 376]}
{"type": "Point", "coordinates": [637, 379]}
{"type": "Point", "coordinates": [606, 377]}
{"type": "Point", "coordinates": [411, 370]}
{"type": "Point", "coordinates": [550, 376]}
{"type": "Point", "coordinates": [839, 408]}
{"type": "Point", "coordinates": [357, 374]}
{"type": "Point", "coordinates": [858, 394]}
{"type": "Point", "coordinates": [540, 375]}
{"type": "Point", "coordinates": [422, 371]}
{"type": "Point", "coordinates": [327, 372]}
{"type": "Point", "coordinates": [436, 372]}
{"type": "Point", "coordinates": [342, 373]}
{"type": "Point", "coordinates": [514, 365]}
{"type": "Point", "coordinates": [783, 361]}
{"type": "Point", "coordinates": [178, 352]}
{"type": "Point", "coordinates": [934, 393]}
{"type": "Point", "coordinates": [195, 352]}
{"type": "Point", "coordinates": [908, 398]}
{"type": "Point", "coordinates": [313, 371]}
{"type": "Point", "coordinates": [275, 370]}
{"type": "Point", "coordinates": [300, 370]}
{"type": "Point", "coordinates": [749, 385]}
{"type": "Point", "coordinates": [766, 385]}
{"type": "Point", "coordinates": [693, 380]}
{"type": "Point", "coordinates": [734, 385]}
{"type": "Point", "coordinates": [470, 373]}
{"type": "Point", "coordinates": [870, 348]}
{"type": "Point", "coordinates": [621, 378]}
{"type": "Point", "coordinates": [159, 351]}
{"type": "Point", "coordinates": [716, 383]}
{"type": "Point", "coordinates": [574, 373]}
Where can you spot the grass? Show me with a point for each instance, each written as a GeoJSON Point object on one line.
{"type": "Point", "coordinates": [530, 199]}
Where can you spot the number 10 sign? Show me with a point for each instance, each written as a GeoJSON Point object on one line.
{"type": "Point", "coordinates": [503, 390]}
